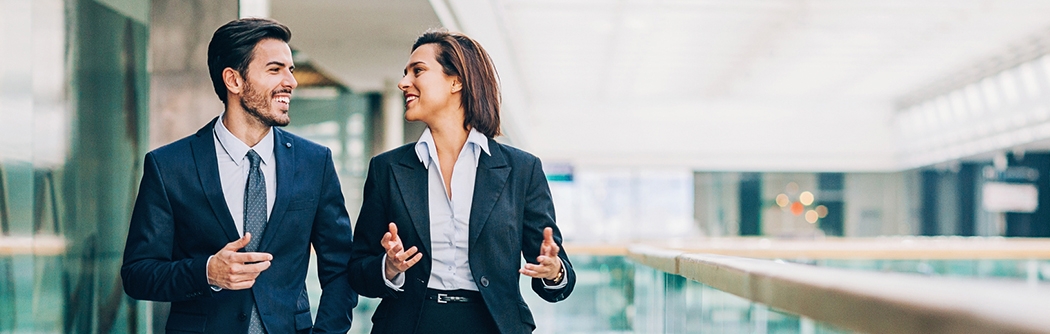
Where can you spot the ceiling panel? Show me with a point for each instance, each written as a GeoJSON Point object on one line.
{"type": "Point", "coordinates": [363, 43]}
{"type": "Point", "coordinates": [699, 83]}
{"type": "Point", "coordinates": [732, 67]}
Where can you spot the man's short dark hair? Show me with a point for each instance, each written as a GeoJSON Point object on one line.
{"type": "Point", "coordinates": [233, 44]}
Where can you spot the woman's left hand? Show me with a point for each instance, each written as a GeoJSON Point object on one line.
{"type": "Point", "coordinates": [548, 263]}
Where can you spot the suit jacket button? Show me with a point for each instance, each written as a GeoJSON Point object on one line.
{"type": "Point", "coordinates": [242, 317]}
{"type": "Point", "coordinates": [484, 282]}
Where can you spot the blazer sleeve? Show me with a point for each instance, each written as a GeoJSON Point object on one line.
{"type": "Point", "coordinates": [332, 239]}
{"type": "Point", "coordinates": [539, 214]}
{"type": "Point", "coordinates": [366, 257]}
{"type": "Point", "coordinates": [148, 271]}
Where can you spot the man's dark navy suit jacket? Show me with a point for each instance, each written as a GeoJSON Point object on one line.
{"type": "Point", "coordinates": [181, 218]}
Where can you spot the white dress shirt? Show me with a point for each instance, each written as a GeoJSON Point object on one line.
{"type": "Point", "coordinates": [232, 154]}
{"type": "Point", "coordinates": [450, 217]}
{"type": "Point", "coordinates": [234, 166]}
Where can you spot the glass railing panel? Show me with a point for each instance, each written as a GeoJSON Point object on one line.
{"type": "Point", "coordinates": [612, 295]}
{"type": "Point", "coordinates": [600, 303]}
{"type": "Point", "coordinates": [31, 294]}
{"type": "Point", "coordinates": [668, 303]}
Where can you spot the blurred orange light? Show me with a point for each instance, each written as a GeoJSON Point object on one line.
{"type": "Point", "coordinates": [782, 200]}
{"type": "Point", "coordinates": [797, 208]}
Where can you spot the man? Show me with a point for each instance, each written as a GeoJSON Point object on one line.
{"type": "Point", "coordinates": [224, 219]}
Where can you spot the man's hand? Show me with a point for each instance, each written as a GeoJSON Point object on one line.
{"type": "Point", "coordinates": [548, 263]}
{"type": "Point", "coordinates": [231, 270]}
{"type": "Point", "coordinates": [398, 260]}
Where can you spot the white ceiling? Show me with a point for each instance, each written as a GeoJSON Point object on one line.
{"type": "Point", "coordinates": [703, 84]}
{"type": "Point", "coordinates": [362, 43]}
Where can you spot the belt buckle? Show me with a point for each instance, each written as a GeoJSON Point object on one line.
{"type": "Point", "coordinates": [442, 298]}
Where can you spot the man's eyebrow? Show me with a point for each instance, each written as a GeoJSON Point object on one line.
{"type": "Point", "coordinates": [278, 63]}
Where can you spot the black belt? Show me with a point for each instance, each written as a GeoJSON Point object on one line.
{"type": "Point", "coordinates": [453, 296]}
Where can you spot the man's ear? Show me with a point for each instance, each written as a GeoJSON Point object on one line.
{"type": "Point", "coordinates": [233, 80]}
{"type": "Point", "coordinates": [457, 85]}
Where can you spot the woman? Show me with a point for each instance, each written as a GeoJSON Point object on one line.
{"type": "Point", "coordinates": [446, 220]}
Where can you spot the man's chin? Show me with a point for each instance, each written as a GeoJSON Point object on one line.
{"type": "Point", "coordinates": [282, 121]}
{"type": "Point", "coordinates": [281, 118]}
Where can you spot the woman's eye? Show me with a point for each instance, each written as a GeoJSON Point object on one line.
{"type": "Point", "coordinates": [417, 70]}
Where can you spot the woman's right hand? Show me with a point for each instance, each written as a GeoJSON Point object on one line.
{"type": "Point", "coordinates": [398, 260]}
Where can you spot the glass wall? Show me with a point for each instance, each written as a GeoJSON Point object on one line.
{"type": "Point", "coordinates": [74, 104]}
{"type": "Point", "coordinates": [622, 204]}
{"type": "Point", "coordinates": [972, 198]}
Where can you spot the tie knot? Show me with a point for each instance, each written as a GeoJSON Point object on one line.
{"type": "Point", "coordinates": [254, 158]}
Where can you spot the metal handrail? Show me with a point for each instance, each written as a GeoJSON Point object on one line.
{"type": "Point", "coordinates": [874, 302]}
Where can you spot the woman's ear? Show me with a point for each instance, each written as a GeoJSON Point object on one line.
{"type": "Point", "coordinates": [233, 80]}
{"type": "Point", "coordinates": [457, 85]}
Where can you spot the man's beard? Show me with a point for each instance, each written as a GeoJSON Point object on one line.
{"type": "Point", "coordinates": [253, 102]}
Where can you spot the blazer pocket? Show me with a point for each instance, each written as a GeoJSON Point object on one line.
{"type": "Point", "coordinates": [186, 322]}
{"type": "Point", "coordinates": [303, 320]}
{"type": "Point", "coordinates": [302, 204]}
{"type": "Point", "coordinates": [526, 315]}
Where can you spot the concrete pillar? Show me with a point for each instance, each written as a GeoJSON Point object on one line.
{"type": "Point", "coordinates": [255, 8]}
{"type": "Point", "coordinates": [182, 98]}
{"type": "Point", "coordinates": [181, 95]}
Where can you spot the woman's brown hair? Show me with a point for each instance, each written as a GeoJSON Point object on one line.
{"type": "Point", "coordinates": [462, 56]}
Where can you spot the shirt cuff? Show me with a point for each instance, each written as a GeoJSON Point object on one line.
{"type": "Point", "coordinates": [397, 282]}
{"type": "Point", "coordinates": [213, 287]}
{"type": "Point", "coordinates": [562, 284]}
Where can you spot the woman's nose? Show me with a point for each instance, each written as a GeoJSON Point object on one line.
{"type": "Point", "coordinates": [404, 83]}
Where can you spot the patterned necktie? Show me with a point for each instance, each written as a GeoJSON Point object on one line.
{"type": "Point", "coordinates": [255, 222]}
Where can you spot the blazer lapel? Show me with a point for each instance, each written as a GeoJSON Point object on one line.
{"type": "Point", "coordinates": [411, 178]}
{"type": "Point", "coordinates": [488, 185]}
{"type": "Point", "coordinates": [284, 154]}
{"type": "Point", "coordinates": [203, 147]}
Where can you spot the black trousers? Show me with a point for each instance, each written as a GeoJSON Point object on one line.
{"type": "Point", "coordinates": [454, 315]}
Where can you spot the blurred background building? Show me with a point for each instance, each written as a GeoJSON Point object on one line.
{"type": "Point", "coordinates": [657, 121]}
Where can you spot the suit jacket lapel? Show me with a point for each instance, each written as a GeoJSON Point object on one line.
{"type": "Point", "coordinates": [203, 147]}
{"type": "Point", "coordinates": [284, 154]}
{"type": "Point", "coordinates": [488, 185]}
{"type": "Point", "coordinates": [411, 178]}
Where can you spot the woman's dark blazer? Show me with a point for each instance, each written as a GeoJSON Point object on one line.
{"type": "Point", "coordinates": [512, 205]}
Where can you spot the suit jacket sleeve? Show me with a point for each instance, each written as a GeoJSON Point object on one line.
{"type": "Point", "coordinates": [148, 271]}
{"type": "Point", "coordinates": [539, 214]}
{"type": "Point", "coordinates": [366, 258]}
{"type": "Point", "coordinates": [332, 239]}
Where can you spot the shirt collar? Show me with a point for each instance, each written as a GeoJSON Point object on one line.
{"type": "Point", "coordinates": [237, 149]}
{"type": "Point", "coordinates": [425, 148]}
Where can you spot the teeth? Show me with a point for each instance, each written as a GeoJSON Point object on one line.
{"type": "Point", "coordinates": [282, 99]}
{"type": "Point", "coordinates": [410, 99]}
